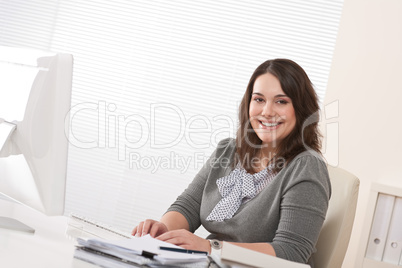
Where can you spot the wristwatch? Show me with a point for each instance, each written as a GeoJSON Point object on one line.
{"type": "Point", "coordinates": [216, 247]}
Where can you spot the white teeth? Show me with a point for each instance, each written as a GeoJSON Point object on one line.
{"type": "Point", "coordinates": [269, 124]}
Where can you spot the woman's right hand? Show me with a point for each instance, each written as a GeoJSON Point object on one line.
{"type": "Point", "coordinates": [152, 227]}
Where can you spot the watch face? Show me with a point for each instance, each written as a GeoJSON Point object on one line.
{"type": "Point", "coordinates": [216, 244]}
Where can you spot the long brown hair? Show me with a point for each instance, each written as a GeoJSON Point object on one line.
{"type": "Point", "coordinates": [305, 135]}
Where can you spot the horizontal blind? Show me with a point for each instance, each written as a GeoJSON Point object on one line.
{"type": "Point", "coordinates": [158, 83]}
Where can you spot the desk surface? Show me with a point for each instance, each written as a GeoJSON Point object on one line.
{"type": "Point", "coordinates": [50, 245]}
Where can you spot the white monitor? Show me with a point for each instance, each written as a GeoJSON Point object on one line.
{"type": "Point", "coordinates": [35, 98]}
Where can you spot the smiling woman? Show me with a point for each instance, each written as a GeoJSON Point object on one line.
{"type": "Point", "coordinates": [258, 202]}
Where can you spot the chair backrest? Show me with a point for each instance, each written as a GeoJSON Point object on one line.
{"type": "Point", "coordinates": [335, 234]}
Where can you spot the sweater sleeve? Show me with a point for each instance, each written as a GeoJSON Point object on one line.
{"type": "Point", "coordinates": [189, 202]}
{"type": "Point", "coordinates": [303, 208]}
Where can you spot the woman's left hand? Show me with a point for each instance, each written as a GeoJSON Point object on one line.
{"type": "Point", "coordinates": [186, 239]}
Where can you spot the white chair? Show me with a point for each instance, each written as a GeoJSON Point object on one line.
{"type": "Point", "coordinates": [335, 234]}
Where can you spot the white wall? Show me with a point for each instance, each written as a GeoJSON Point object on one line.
{"type": "Point", "coordinates": [366, 79]}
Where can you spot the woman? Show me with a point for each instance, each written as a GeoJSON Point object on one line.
{"type": "Point", "coordinates": [273, 195]}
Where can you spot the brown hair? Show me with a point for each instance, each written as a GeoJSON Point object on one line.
{"type": "Point", "coordinates": [305, 135]}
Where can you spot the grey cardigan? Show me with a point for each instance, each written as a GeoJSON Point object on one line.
{"type": "Point", "coordinates": [288, 213]}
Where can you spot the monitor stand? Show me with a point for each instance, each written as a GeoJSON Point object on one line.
{"type": "Point", "coordinates": [15, 225]}
{"type": "Point", "coordinates": [6, 129]}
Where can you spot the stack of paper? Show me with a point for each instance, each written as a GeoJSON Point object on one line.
{"type": "Point", "coordinates": [141, 250]}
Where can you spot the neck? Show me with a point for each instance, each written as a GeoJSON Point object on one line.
{"type": "Point", "coordinates": [264, 155]}
{"type": "Point", "coordinates": [267, 151]}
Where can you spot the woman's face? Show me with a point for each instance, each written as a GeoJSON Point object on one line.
{"type": "Point", "coordinates": [271, 113]}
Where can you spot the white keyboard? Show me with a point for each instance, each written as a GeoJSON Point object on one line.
{"type": "Point", "coordinates": [82, 226]}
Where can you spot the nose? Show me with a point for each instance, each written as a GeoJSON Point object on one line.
{"type": "Point", "coordinates": [268, 110]}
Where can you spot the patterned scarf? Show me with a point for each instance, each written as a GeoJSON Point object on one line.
{"type": "Point", "coordinates": [238, 187]}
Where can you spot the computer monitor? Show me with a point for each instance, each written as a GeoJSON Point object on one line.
{"type": "Point", "coordinates": [35, 99]}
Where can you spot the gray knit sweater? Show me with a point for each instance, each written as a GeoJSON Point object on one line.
{"type": "Point", "coordinates": [288, 213]}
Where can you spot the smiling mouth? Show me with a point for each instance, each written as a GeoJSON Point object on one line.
{"type": "Point", "coordinates": [270, 124]}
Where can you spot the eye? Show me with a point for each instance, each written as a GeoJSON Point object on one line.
{"type": "Point", "coordinates": [258, 99]}
{"type": "Point", "coordinates": [282, 101]}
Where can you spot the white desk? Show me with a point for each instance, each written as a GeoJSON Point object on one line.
{"type": "Point", "coordinates": [53, 243]}
{"type": "Point", "coordinates": [50, 246]}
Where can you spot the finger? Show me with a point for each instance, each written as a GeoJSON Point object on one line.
{"type": "Point", "coordinates": [146, 227]}
{"type": "Point", "coordinates": [134, 231]}
{"type": "Point", "coordinates": [178, 241]}
{"type": "Point", "coordinates": [168, 236]}
{"type": "Point", "coordinates": [139, 229]}
{"type": "Point", "coordinates": [154, 229]}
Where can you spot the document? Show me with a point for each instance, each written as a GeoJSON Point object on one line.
{"type": "Point", "coordinates": [106, 261]}
{"type": "Point", "coordinates": [234, 255]}
{"type": "Point", "coordinates": [138, 250]}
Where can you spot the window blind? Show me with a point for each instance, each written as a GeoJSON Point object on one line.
{"type": "Point", "coordinates": [157, 84]}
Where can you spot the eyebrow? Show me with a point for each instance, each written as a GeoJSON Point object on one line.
{"type": "Point", "coordinates": [276, 96]}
